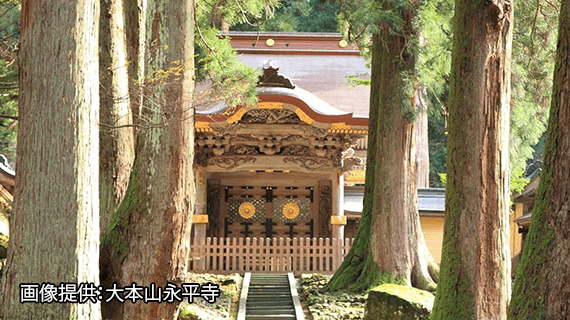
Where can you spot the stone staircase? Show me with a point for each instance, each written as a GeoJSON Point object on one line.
{"type": "Point", "coordinates": [269, 297]}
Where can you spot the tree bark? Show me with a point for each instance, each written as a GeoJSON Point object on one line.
{"type": "Point", "coordinates": [475, 266]}
{"type": "Point", "coordinates": [148, 241]}
{"type": "Point", "coordinates": [116, 152]}
{"type": "Point", "coordinates": [541, 288]}
{"type": "Point", "coordinates": [135, 33]}
{"type": "Point", "coordinates": [389, 245]}
{"type": "Point", "coordinates": [54, 224]}
{"type": "Point", "coordinates": [422, 154]}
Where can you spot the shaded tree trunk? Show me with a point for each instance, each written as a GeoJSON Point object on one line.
{"type": "Point", "coordinates": [389, 245]}
{"type": "Point", "coordinates": [54, 224]}
{"type": "Point", "coordinates": [148, 241]}
{"type": "Point", "coordinates": [135, 34]}
{"type": "Point", "coordinates": [116, 152]}
{"type": "Point", "coordinates": [475, 267]}
{"type": "Point", "coordinates": [541, 288]}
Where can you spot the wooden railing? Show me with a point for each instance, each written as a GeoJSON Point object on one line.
{"type": "Point", "coordinates": [265, 255]}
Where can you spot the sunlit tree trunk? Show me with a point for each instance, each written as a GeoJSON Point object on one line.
{"type": "Point", "coordinates": [475, 276]}
{"type": "Point", "coordinates": [148, 241]}
{"type": "Point", "coordinates": [422, 154]}
{"type": "Point", "coordinates": [54, 225]}
{"type": "Point", "coordinates": [116, 152]}
{"type": "Point", "coordinates": [389, 245]}
{"type": "Point", "coordinates": [541, 288]}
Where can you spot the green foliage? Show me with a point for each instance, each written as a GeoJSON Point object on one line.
{"type": "Point", "coordinates": [216, 61]}
{"type": "Point", "coordinates": [518, 181]}
{"type": "Point", "coordinates": [297, 16]}
{"type": "Point", "coordinates": [443, 179]}
{"type": "Point", "coordinates": [9, 35]}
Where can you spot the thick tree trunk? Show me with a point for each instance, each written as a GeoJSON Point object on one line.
{"type": "Point", "coordinates": [475, 267]}
{"type": "Point", "coordinates": [541, 288]}
{"type": "Point", "coordinates": [389, 246]}
{"type": "Point", "coordinates": [116, 152]}
{"type": "Point", "coordinates": [54, 225]}
{"type": "Point", "coordinates": [149, 239]}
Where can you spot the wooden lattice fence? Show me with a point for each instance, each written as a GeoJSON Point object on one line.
{"type": "Point", "coordinates": [265, 255]}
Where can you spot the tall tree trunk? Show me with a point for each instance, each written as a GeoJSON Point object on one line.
{"type": "Point", "coordinates": [54, 224]}
{"type": "Point", "coordinates": [422, 154]}
{"type": "Point", "coordinates": [116, 152]}
{"type": "Point", "coordinates": [389, 246]}
{"type": "Point", "coordinates": [135, 33]}
{"type": "Point", "coordinates": [149, 239]}
{"type": "Point", "coordinates": [475, 267]}
{"type": "Point", "coordinates": [541, 288]}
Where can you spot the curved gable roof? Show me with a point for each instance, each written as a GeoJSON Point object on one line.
{"type": "Point", "coordinates": [280, 93]}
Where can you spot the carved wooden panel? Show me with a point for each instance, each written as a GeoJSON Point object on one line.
{"type": "Point", "coordinates": [213, 208]}
{"type": "Point", "coordinates": [325, 209]}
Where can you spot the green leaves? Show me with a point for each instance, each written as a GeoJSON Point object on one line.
{"type": "Point", "coordinates": [9, 35]}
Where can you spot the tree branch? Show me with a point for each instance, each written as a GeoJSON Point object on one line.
{"type": "Point", "coordinates": [5, 116]}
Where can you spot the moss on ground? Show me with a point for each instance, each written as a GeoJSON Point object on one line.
{"type": "Point", "coordinates": [323, 305]}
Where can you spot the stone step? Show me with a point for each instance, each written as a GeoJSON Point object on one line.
{"type": "Point", "coordinates": [268, 297]}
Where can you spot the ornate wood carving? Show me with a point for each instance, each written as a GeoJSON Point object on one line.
{"type": "Point", "coordinates": [310, 131]}
{"type": "Point", "coordinates": [213, 207]}
{"type": "Point", "coordinates": [230, 163]}
{"type": "Point", "coordinates": [297, 150]}
{"type": "Point", "coordinates": [271, 78]}
{"type": "Point", "coordinates": [270, 116]}
{"type": "Point", "coordinates": [243, 149]}
{"type": "Point", "coordinates": [309, 163]}
{"type": "Point", "coordinates": [325, 211]}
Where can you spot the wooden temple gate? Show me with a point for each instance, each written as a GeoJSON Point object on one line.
{"type": "Point", "coordinates": [269, 182]}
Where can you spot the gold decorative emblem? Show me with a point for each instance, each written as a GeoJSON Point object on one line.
{"type": "Point", "coordinates": [270, 42]}
{"type": "Point", "coordinates": [342, 43]}
{"type": "Point", "coordinates": [291, 210]}
{"type": "Point", "coordinates": [339, 220]}
{"type": "Point", "coordinates": [246, 210]}
{"type": "Point", "coordinates": [200, 218]}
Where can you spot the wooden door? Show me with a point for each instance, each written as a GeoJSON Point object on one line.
{"type": "Point", "coordinates": [267, 211]}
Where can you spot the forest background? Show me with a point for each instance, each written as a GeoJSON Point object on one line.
{"type": "Point", "coordinates": [533, 52]}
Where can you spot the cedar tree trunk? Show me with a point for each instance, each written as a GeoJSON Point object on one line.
{"type": "Point", "coordinates": [541, 288]}
{"type": "Point", "coordinates": [422, 154]}
{"type": "Point", "coordinates": [475, 267]}
{"type": "Point", "coordinates": [149, 239]}
{"type": "Point", "coordinates": [116, 153]}
{"type": "Point", "coordinates": [54, 225]}
{"type": "Point", "coordinates": [389, 245]}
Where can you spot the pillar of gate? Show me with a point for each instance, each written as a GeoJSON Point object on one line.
{"type": "Point", "coordinates": [338, 220]}
{"type": "Point", "coordinates": [200, 218]}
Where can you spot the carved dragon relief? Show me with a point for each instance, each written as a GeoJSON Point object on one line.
{"type": "Point", "coordinates": [270, 116]}
{"type": "Point", "coordinates": [310, 131]}
{"type": "Point", "coordinates": [229, 163]}
{"type": "Point", "coordinates": [310, 164]}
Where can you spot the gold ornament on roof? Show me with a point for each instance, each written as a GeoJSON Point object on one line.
{"type": "Point", "coordinates": [291, 210]}
{"type": "Point", "coordinates": [246, 210]}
